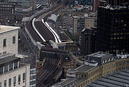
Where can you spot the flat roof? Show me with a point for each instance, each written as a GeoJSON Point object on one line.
{"type": "Point", "coordinates": [84, 68]}
{"type": "Point", "coordinates": [100, 55]}
{"type": "Point", "coordinates": [65, 82]}
{"type": "Point", "coordinates": [115, 7]}
{"type": "Point", "coordinates": [4, 28]}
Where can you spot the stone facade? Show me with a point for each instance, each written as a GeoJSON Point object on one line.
{"type": "Point", "coordinates": [11, 37]}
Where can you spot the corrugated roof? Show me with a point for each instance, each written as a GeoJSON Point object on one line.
{"type": "Point", "coordinates": [119, 79]}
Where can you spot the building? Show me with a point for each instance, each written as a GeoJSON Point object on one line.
{"type": "Point", "coordinates": [90, 20]}
{"type": "Point", "coordinates": [113, 29]}
{"type": "Point", "coordinates": [85, 2]}
{"type": "Point", "coordinates": [117, 2]}
{"type": "Point", "coordinates": [89, 72]}
{"type": "Point", "coordinates": [96, 4]}
{"type": "Point", "coordinates": [9, 39]}
{"type": "Point", "coordinates": [87, 41]}
{"type": "Point", "coordinates": [21, 3]}
{"type": "Point", "coordinates": [7, 13]}
{"type": "Point", "coordinates": [113, 80]}
{"type": "Point", "coordinates": [78, 24]}
{"type": "Point", "coordinates": [100, 57]}
{"type": "Point", "coordinates": [12, 72]}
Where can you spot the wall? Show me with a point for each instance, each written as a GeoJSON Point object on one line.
{"type": "Point", "coordinates": [10, 47]}
{"type": "Point", "coordinates": [103, 70]}
{"type": "Point", "coordinates": [16, 72]}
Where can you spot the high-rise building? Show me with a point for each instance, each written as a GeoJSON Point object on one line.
{"type": "Point", "coordinates": [79, 24]}
{"type": "Point", "coordinates": [87, 42]}
{"type": "Point", "coordinates": [113, 29]}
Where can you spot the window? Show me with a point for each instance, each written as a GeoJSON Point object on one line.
{"type": "Point", "coordinates": [14, 81]}
{"type": "Point", "coordinates": [6, 68]}
{"type": "Point", "coordinates": [10, 82]}
{"type": "Point", "coordinates": [5, 83]}
{"type": "Point", "coordinates": [4, 52]}
{"type": "Point", "coordinates": [33, 71]}
{"type": "Point", "coordinates": [14, 40]}
{"type": "Point", "coordinates": [4, 43]}
{"type": "Point", "coordinates": [15, 65]}
{"type": "Point", "coordinates": [33, 77]}
{"type": "Point", "coordinates": [10, 66]}
{"type": "Point", "coordinates": [1, 69]}
{"type": "Point", "coordinates": [19, 79]}
{"type": "Point", "coordinates": [0, 84]}
{"type": "Point", "coordinates": [24, 77]}
{"type": "Point", "coordinates": [32, 82]}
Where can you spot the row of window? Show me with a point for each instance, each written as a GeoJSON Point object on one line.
{"type": "Point", "coordinates": [5, 41]}
{"type": "Point", "coordinates": [5, 6]}
{"type": "Point", "coordinates": [15, 80]}
{"type": "Point", "coordinates": [9, 67]}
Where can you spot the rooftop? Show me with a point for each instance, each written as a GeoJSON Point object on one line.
{"type": "Point", "coordinates": [114, 7]}
{"type": "Point", "coordinates": [100, 55]}
{"type": "Point", "coordinates": [65, 82]}
{"type": "Point", "coordinates": [118, 79]}
{"type": "Point", "coordinates": [84, 68]}
{"type": "Point", "coordinates": [4, 28]}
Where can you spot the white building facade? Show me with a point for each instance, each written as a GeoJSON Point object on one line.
{"type": "Point", "coordinates": [8, 39]}
{"type": "Point", "coordinates": [13, 73]}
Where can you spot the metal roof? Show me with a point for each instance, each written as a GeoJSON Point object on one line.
{"type": "Point", "coordinates": [118, 79]}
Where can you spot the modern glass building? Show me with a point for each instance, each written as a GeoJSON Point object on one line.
{"type": "Point", "coordinates": [113, 29]}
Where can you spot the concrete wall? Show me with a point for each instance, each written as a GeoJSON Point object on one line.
{"type": "Point", "coordinates": [10, 47]}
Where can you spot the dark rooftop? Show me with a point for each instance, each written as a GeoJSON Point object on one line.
{"type": "Point", "coordinates": [84, 68]}
{"type": "Point", "coordinates": [118, 79]}
{"type": "Point", "coordinates": [100, 55]}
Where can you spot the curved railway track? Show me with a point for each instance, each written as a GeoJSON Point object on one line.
{"type": "Point", "coordinates": [40, 31]}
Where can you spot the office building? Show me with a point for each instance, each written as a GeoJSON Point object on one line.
{"type": "Point", "coordinates": [78, 26]}
{"type": "Point", "coordinates": [9, 39]}
{"type": "Point", "coordinates": [7, 13]}
{"type": "Point", "coordinates": [113, 29]}
{"type": "Point", "coordinates": [87, 41]}
{"type": "Point", "coordinates": [12, 72]}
